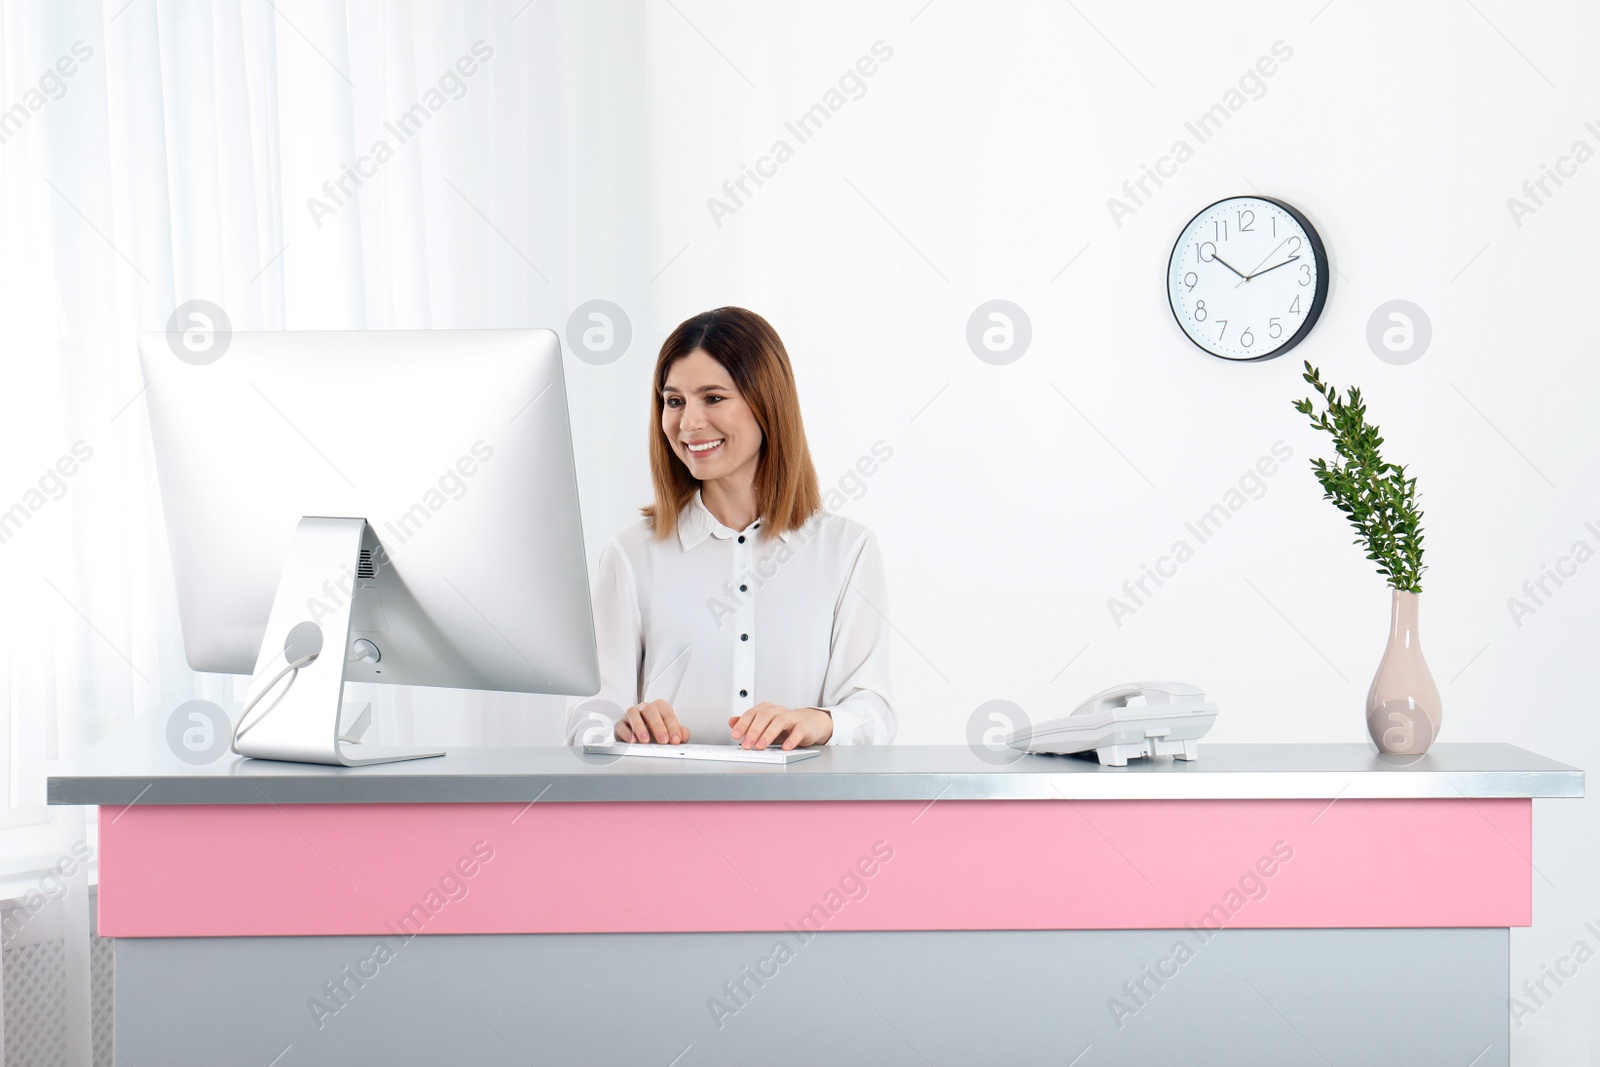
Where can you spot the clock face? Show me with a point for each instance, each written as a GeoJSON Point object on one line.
{"type": "Point", "coordinates": [1248, 278]}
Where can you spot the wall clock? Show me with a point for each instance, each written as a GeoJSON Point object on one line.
{"type": "Point", "coordinates": [1247, 278]}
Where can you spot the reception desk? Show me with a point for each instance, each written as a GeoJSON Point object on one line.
{"type": "Point", "coordinates": [1274, 904]}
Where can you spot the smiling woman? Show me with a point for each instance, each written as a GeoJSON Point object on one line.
{"type": "Point", "coordinates": [804, 658]}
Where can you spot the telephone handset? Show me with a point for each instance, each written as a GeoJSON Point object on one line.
{"type": "Point", "coordinates": [1127, 721]}
{"type": "Point", "coordinates": [1153, 693]}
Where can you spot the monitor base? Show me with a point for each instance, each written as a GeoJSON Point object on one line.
{"type": "Point", "coordinates": [370, 754]}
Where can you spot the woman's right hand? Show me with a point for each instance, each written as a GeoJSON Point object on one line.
{"type": "Point", "coordinates": [653, 720]}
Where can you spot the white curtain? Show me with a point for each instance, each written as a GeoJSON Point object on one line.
{"type": "Point", "coordinates": [152, 153]}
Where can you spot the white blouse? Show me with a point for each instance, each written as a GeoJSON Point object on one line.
{"type": "Point", "coordinates": [715, 621]}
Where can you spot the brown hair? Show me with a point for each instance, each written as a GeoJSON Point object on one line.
{"type": "Point", "coordinates": [750, 351]}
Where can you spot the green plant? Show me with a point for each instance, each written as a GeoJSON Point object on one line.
{"type": "Point", "coordinates": [1376, 496]}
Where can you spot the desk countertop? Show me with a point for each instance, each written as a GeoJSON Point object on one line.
{"type": "Point", "coordinates": [135, 765]}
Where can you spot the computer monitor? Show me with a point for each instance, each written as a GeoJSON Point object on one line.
{"type": "Point", "coordinates": [373, 506]}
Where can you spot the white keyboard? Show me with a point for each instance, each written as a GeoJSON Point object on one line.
{"type": "Point", "coordinates": [725, 753]}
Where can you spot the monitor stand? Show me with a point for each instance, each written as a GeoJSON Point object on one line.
{"type": "Point", "coordinates": [296, 718]}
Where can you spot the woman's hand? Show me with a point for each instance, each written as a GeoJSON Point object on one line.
{"type": "Point", "coordinates": [654, 720]}
{"type": "Point", "coordinates": [764, 723]}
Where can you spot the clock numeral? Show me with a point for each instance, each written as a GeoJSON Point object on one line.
{"type": "Point", "coordinates": [1274, 330]}
{"type": "Point", "coordinates": [1247, 221]}
{"type": "Point", "coordinates": [1294, 246]}
{"type": "Point", "coordinates": [1199, 311]}
{"type": "Point", "coordinates": [1274, 219]}
{"type": "Point", "coordinates": [1247, 338]}
{"type": "Point", "coordinates": [1224, 323]}
{"type": "Point", "coordinates": [1200, 251]}
{"type": "Point", "coordinates": [1219, 229]}
{"type": "Point", "coordinates": [1305, 274]}
{"type": "Point", "coordinates": [1294, 308]}
{"type": "Point", "coordinates": [1191, 280]}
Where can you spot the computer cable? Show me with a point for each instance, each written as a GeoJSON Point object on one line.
{"type": "Point", "coordinates": [302, 645]}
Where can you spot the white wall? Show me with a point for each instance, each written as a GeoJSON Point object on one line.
{"type": "Point", "coordinates": [977, 165]}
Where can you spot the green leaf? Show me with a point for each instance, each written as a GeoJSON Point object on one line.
{"type": "Point", "coordinates": [1378, 498]}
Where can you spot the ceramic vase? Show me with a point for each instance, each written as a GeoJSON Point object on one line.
{"type": "Point", "coordinates": [1403, 708]}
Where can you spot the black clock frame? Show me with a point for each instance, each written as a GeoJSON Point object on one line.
{"type": "Point", "coordinates": [1319, 298]}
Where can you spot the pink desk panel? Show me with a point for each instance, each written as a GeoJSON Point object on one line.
{"type": "Point", "coordinates": [214, 870]}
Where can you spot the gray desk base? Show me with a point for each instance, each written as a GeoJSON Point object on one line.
{"type": "Point", "coordinates": [1270, 997]}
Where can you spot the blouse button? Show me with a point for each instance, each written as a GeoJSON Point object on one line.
{"type": "Point", "coordinates": [744, 588]}
{"type": "Point", "coordinates": [741, 539]}
{"type": "Point", "coordinates": [744, 637]}
{"type": "Point", "coordinates": [744, 692]}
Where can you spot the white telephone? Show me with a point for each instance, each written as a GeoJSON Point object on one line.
{"type": "Point", "coordinates": [1168, 719]}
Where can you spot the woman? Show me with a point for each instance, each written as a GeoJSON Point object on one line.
{"type": "Point", "coordinates": [737, 611]}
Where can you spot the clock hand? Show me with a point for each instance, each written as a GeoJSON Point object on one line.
{"type": "Point", "coordinates": [1264, 258]}
{"type": "Point", "coordinates": [1230, 266]}
{"type": "Point", "coordinates": [1275, 266]}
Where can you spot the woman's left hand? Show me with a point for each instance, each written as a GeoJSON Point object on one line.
{"type": "Point", "coordinates": [766, 722]}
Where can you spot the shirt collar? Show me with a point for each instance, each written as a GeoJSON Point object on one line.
{"type": "Point", "coordinates": [697, 522]}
